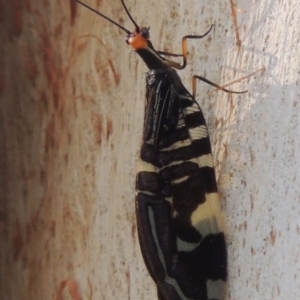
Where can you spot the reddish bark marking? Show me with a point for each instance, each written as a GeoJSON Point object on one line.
{"type": "Point", "coordinates": [2, 80]}
{"type": "Point", "coordinates": [109, 128]}
{"type": "Point", "coordinates": [236, 27]}
{"type": "Point", "coordinates": [97, 128]}
{"type": "Point", "coordinates": [273, 236]}
{"type": "Point", "coordinates": [50, 136]}
{"type": "Point", "coordinates": [116, 75]}
{"type": "Point", "coordinates": [73, 9]}
{"type": "Point", "coordinates": [30, 66]}
{"type": "Point", "coordinates": [18, 242]}
{"type": "Point", "coordinates": [17, 18]}
{"type": "Point", "coordinates": [72, 287]}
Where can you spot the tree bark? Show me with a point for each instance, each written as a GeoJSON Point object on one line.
{"type": "Point", "coordinates": [72, 100]}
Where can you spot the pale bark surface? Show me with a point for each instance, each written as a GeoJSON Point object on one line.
{"type": "Point", "coordinates": [72, 98]}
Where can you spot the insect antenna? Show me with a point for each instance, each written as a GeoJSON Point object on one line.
{"type": "Point", "coordinates": [109, 19]}
{"type": "Point", "coordinates": [137, 28]}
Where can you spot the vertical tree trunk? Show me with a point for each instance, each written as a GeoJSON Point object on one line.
{"type": "Point", "coordinates": [72, 98]}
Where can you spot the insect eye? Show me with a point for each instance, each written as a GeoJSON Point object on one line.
{"type": "Point", "coordinates": [145, 33]}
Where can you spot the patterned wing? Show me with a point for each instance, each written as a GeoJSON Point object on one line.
{"type": "Point", "coordinates": [178, 211]}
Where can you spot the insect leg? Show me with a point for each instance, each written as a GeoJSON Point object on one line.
{"type": "Point", "coordinates": [195, 77]}
{"type": "Point", "coordinates": [168, 54]}
{"type": "Point", "coordinates": [184, 50]}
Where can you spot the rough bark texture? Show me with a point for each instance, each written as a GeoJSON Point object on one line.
{"type": "Point", "coordinates": [72, 97]}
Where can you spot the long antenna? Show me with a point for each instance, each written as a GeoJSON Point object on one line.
{"type": "Point", "coordinates": [107, 18]}
{"type": "Point", "coordinates": [137, 28]}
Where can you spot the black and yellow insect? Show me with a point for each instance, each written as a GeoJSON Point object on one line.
{"type": "Point", "coordinates": [178, 211]}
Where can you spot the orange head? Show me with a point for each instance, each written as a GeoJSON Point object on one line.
{"type": "Point", "coordinates": [139, 38]}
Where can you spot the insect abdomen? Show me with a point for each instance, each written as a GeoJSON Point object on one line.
{"type": "Point", "coordinates": [178, 210]}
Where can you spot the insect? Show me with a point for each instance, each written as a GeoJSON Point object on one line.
{"type": "Point", "coordinates": [178, 211]}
